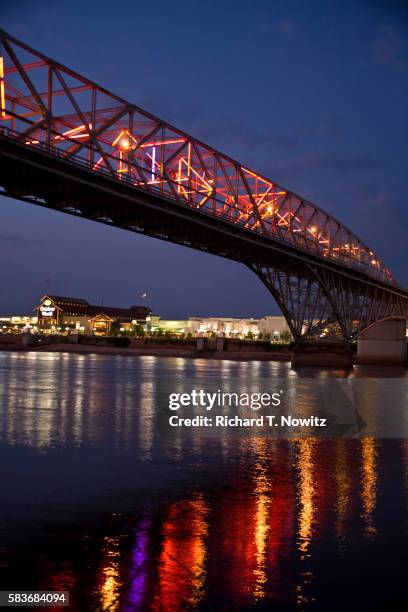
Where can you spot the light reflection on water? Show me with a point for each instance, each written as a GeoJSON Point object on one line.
{"type": "Point", "coordinates": [343, 488]}
{"type": "Point", "coordinates": [306, 513]}
{"type": "Point", "coordinates": [369, 458]}
{"type": "Point", "coordinates": [95, 501]}
{"type": "Point", "coordinates": [109, 575]}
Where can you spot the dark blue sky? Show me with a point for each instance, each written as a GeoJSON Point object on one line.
{"type": "Point", "coordinates": [312, 94]}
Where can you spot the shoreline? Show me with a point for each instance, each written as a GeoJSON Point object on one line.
{"type": "Point", "coordinates": [153, 352]}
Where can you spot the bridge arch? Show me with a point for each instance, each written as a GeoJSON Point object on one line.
{"type": "Point", "coordinates": [319, 302]}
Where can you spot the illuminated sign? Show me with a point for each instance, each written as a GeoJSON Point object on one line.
{"type": "Point", "coordinates": [47, 309]}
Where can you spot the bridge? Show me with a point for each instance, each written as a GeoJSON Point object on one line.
{"type": "Point", "coordinates": [70, 145]}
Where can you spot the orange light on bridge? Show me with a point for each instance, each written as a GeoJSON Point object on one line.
{"type": "Point", "coordinates": [98, 163]}
{"type": "Point", "coordinates": [74, 133]}
{"type": "Point", "coordinates": [256, 176]}
{"type": "Point", "coordinates": [125, 140]}
{"type": "Point", "coordinates": [161, 143]}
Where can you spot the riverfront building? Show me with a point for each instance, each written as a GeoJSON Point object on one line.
{"type": "Point", "coordinates": [272, 327]}
{"type": "Point", "coordinates": [56, 312]}
{"type": "Point", "coordinates": [59, 314]}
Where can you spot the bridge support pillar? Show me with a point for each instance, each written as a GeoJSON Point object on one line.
{"type": "Point", "coordinates": [383, 343]}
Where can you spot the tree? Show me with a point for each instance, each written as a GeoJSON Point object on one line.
{"type": "Point", "coordinates": [138, 330]}
{"type": "Point", "coordinates": [115, 328]}
{"type": "Point", "coordinates": [285, 336]}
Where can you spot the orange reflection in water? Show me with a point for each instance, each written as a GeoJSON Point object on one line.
{"type": "Point", "coordinates": [242, 516]}
{"type": "Point", "coordinates": [306, 511]}
{"type": "Point", "coordinates": [306, 494]}
{"type": "Point", "coordinates": [109, 581]}
{"type": "Point", "coordinates": [343, 487]}
{"type": "Point", "coordinates": [265, 523]}
{"type": "Point", "coordinates": [182, 571]}
{"type": "Point", "coordinates": [281, 522]}
{"type": "Point", "coordinates": [262, 525]}
{"type": "Point", "coordinates": [369, 460]}
{"type": "Point", "coordinates": [254, 520]}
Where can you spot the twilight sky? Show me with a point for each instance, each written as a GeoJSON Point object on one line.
{"type": "Point", "coordinates": [312, 94]}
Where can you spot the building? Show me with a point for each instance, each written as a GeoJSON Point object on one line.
{"type": "Point", "coordinates": [271, 327]}
{"type": "Point", "coordinates": [179, 327]}
{"type": "Point", "coordinates": [16, 323]}
{"type": "Point", "coordinates": [223, 326]}
{"type": "Point", "coordinates": [57, 313]}
{"type": "Point", "coordinates": [64, 314]}
{"type": "Point", "coordinates": [274, 327]}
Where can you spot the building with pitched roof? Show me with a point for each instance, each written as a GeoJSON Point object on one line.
{"type": "Point", "coordinates": [56, 311]}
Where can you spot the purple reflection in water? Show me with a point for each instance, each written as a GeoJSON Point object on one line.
{"type": "Point", "coordinates": [137, 571]}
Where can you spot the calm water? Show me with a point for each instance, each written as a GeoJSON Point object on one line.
{"type": "Point", "coordinates": [95, 501]}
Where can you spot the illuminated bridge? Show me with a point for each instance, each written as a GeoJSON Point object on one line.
{"type": "Point", "coordinates": [70, 145]}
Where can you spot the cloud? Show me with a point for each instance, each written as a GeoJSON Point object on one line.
{"type": "Point", "coordinates": [286, 25]}
{"type": "Point", "coordinates": [390, 48]}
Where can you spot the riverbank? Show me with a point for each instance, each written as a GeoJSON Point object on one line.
{"type": "Point", "coordinates": [86, 349]}
{"type": "Point", "coordinates": [203, 348]}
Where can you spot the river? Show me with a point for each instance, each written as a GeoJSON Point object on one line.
{"type": "Point", "coordinates": [98, 501]}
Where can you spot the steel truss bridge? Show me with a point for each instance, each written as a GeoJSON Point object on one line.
{"type": "Point", "coordinates": [70, 145]}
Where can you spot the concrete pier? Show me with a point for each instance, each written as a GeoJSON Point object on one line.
{"type": "Point", "coordinates": [383, 343]}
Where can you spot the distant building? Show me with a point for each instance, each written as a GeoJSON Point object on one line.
{"type": "Point", "coordinates": [272, 327]}
{"type": "Point", "coordinates": [223, 326]}
{"type": "Point", "coordinates": [174, 326]}
{"type": "Point", "coordinates": [55, 311]}
{"type": "Point", "coordinates": [16, 323]}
